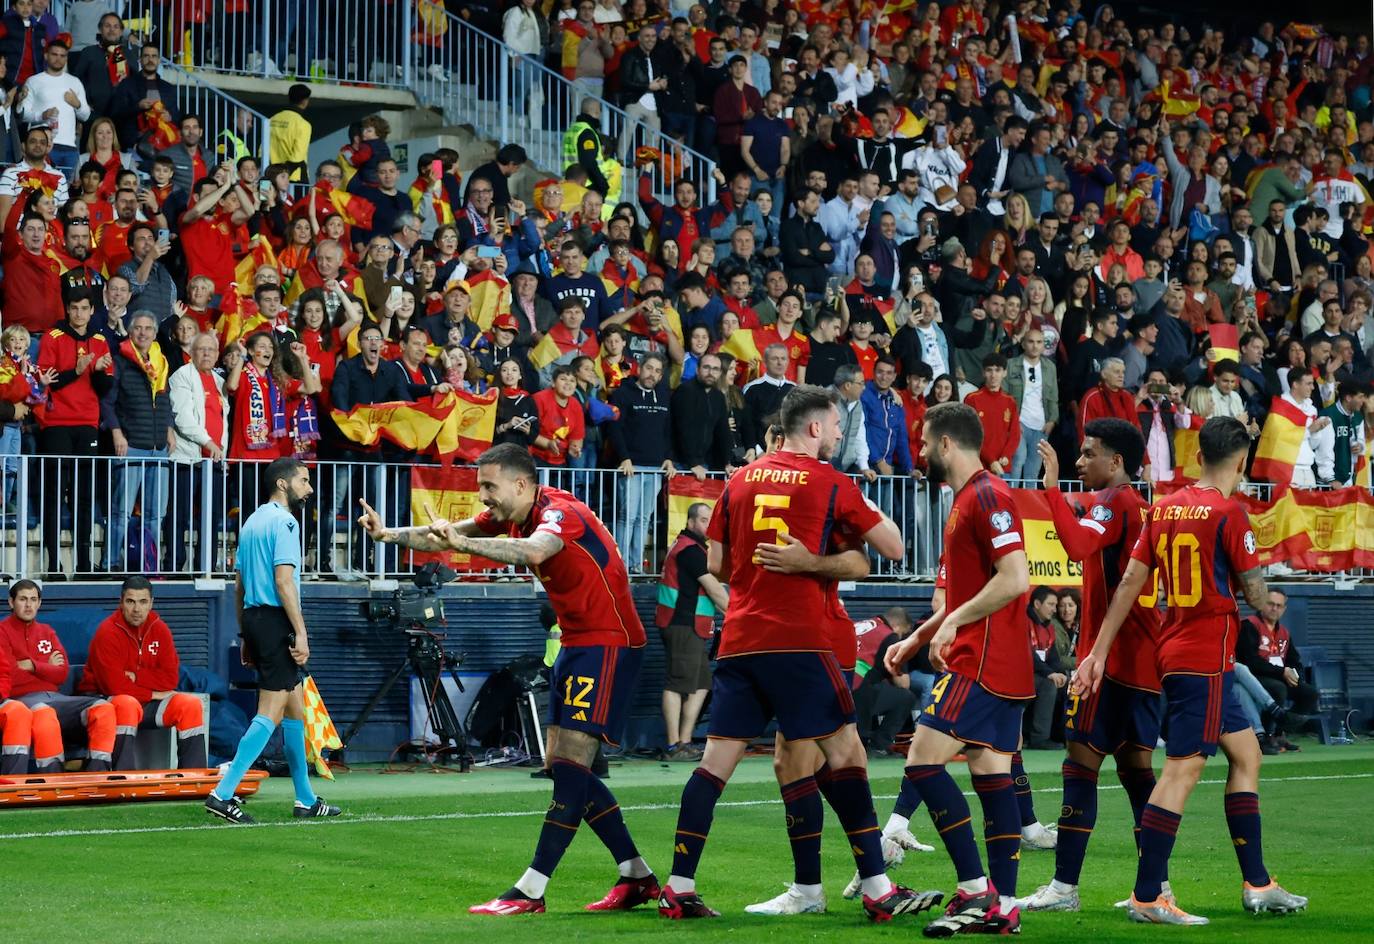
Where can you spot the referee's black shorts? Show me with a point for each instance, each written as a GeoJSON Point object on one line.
{"type": "Point", "coordinates": [267, 639]}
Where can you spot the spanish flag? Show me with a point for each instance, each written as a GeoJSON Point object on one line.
{"type": "Point", "coordinates": [1314, 530]}
{"type": "Point", "coordinates": [558, 342]}
{"type": "Point", "coordinates": [906, 124]}
{"type": "Point", "coordinates": [328, 199]}
{"type": "Point", "coordinates": [1186, 465]}
{"type": "Point", "coordinates": [158, 129]}
{"type": "Point", "coordinates": [741, 346]}
{"type": "Point", "coordinates": [684, 491]}
{"type": "Point", "coordinates": [1178, 105]}
{"type": "Point", "coordinates": [452, 494]}
{"type": "Point", "coordinates": [490, 296]}
{"type": "Point", "coordinates": [1225, 342]}
{"type": "Point", "coordinates": [457, 425]}
{"type": "Point", "coordinates": [573, 34]}
{"type": "Point", "coordinates": [1280, 442]}
{"type": "Point", "coordinates": [259, 254]}
{"type": "Point", "coordinates": [320, 734]}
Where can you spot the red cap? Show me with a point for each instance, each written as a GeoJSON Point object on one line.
{"type": "Point", "coordinates": [504, 322]}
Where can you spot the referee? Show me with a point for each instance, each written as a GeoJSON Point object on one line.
{"type": "Point", "coordinates": [272, 629]}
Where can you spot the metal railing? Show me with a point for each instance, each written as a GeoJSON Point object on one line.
{"type": "Point", "coordinates": [90, 517]}
{"type": "Point", "coordinates": [219, 112]}
{"type": "Point", "coordinates": [346, 41]}
{"type": "Point", "coordinates": [475, 78]}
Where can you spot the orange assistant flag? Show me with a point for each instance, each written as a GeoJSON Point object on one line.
{"type": "Point", "coordinates": [1186, 466]}
{"type": "Point", "coordinates": [320, 733]}
{"type": "Point", "coordinates": [1280, 442]}
{"type": "Point", "coordinates": [1225, 342]}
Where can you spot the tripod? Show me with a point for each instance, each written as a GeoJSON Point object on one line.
{"type": "Point", "coordinates": [426, 659]}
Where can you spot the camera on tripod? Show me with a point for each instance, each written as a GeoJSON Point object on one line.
{"type": "Point", "coordinates": [419, 613]}
{"type": "Point", "coordinates": [417, 609]}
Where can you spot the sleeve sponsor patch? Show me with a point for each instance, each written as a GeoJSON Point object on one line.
{"type": "Point", "coordinates": [1002, 540]}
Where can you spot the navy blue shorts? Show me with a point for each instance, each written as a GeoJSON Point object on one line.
{"type": "Point", "coordinates": [592, 687]}
{"type": "Point", "coordinates": [1116, 716]}
{"type": "Point", "coordinates": [1201, 709]}
{"type": "Point", "coordinates": [806, 692]}
{"type": "Point", "coordinates": [968, 712]}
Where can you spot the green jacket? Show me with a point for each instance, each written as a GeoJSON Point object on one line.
{"type": "Point", "coordinates": [1015, 384]}
{"type": "Point", "coordinates": [1346, 427]}
{"type": "Point", "coordinates": [1273, 185]}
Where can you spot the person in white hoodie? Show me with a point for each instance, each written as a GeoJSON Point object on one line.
{"type": "Point", "coordinates": [58, 99]}
{"type": "Point", "coordinates": [521, 31]}
{"type": "Point", "coordinates": [851, 82]}
{"type": "Point", "coordinates": [939, 166]}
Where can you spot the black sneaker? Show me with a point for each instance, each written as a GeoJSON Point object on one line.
{"type": "Point", "coordinates": [227, 810]}
{"type": "Point", "coordinates": [318, 808]}
{"type": "Point", "coordinates": [899, 901]}
{"type": "Point", "coordinates": [1272, 717]}
{"type": "Point", "coordinates": [965, 913]}
{"type": "Point", "coordinates": [683, 905]}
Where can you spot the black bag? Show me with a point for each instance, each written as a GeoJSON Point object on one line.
{"type": "Point", "coordinates": [494, 718]}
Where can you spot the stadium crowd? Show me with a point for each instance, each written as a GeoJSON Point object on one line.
{"type": "Point", "coordinates": [1040, 210]}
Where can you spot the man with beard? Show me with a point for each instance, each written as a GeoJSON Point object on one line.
{"type": "Point", "coordinates": [594, 677]}
{"type": "Point", "coordinates": [272, 628]}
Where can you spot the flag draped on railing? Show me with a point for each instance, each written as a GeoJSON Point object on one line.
{"type": "Point", "coordinates": [457, 425]}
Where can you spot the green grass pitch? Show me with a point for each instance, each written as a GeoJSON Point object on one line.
{"type": "Point", "coordinates": [412, 851]}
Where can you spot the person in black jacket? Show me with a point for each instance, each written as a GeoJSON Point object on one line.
{"type": "Point", "coordinates": [423, 379]}
{"type": "Point", "coordinates": [1266, 648]}
{"type": "Point", "coordinates": [957, 290]}
{"type": "Point", "coordinates": [517, 418]}
{"type": "Point", "coordinates": [1051, 675]}
{"type": "Point", "coordinates": [138, 412]}
{"type": "Point", "coordinates": [813, 82]}
{"type": "Point", "coordinates": [643, 71]}
{"type": "Point", "coordinates": [137, 94]}
{"type": "Point", "coordinates": [701, 423]}
{"type": "Point", "coordinates": [992, 164]}
{"type": "Point", "coordinates": [94, 65]}
{"type": "Point", "coordinates": [805, 250]}
{"type": "Point", "coordinates": [641, 445]}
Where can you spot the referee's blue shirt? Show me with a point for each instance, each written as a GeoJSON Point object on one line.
{"type": "Point", "coordinates": [269, 537]}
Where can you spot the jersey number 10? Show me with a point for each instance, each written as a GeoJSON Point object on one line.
{"type": "Point", "coordinates": [1183, 554]}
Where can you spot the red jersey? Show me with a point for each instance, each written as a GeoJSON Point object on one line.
{"type": "Point", "coordinates": [1102, 541]}
{"type": "Point", "coordinates": [147, 651]}
{"type": "Point", "coordinates": [73, 399]}
{"type": "Point", "coordinates": [32, 290]}
{"type": "Point", "coordinates": [786, 493]}
{"type": "Point", "coordinates": [587, 584]}
{"type": "Point", "coordinates": [914, 409]}
{"type": "Point", "coordinates": [36, 642]}
{"type": "Point", "coordinates": [209, 246]}
{"type": "Point", "coordinates": [1001, 425]}
{"type": "Point", "coordinates": [1199, 542]}
{"type": "Point", "coordinates": [563, 424]}
{"type": "Point", "coordinates": [983, 527]}
{"type": "Point", "coordinates": [798, 347]}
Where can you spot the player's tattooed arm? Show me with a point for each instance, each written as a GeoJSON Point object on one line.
{"type": "Point", "coordinates": [523, 552]}
{"type": "Point", "coordinates": [1256, 593]}
{"type": "Point", "coordinates": [419, 537]}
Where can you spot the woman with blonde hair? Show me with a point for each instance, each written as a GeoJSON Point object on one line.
{"type": "Point", "coordinates": [1019, 220]}
{"type": "Point", "coordinates": [104, 150]}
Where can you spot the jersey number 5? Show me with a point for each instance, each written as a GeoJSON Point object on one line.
{"type": "Point", "coordinates": [1174, 559]}
{"type": "Point", "coordinates": [763, 521]}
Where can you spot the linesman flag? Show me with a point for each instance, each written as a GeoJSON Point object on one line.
{"type": "Point", "coordinates": [320, 734]}
{"type": "Point", "coordinates": [1280, 442]}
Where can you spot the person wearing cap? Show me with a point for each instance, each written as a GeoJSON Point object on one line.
{"type": "Point", "coordinates": [534, 314]}
{"type": "Point", "coordinates": [503, 344]}
{"type": "Point", "coordinates": [290, 134]}
{"type": "Point", "coordinates": [58, 99]}
{"type": "Point", "coordinates": [453, 325]}
{"type": "Point", "coordinates": [736, 101]}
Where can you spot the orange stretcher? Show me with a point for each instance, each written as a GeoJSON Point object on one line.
{"type": "Point", "coordinates": [117, 786]}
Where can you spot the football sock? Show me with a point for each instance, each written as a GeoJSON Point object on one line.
{"type": "Point", "coordinates": [1001, 828]}
{"type": "Point", "coordinates": [1076, 820]}
{"type": "Point", "coordinates": [1158, 828]}
{"type": "Point", "coordinates": [249, 749]}
{"type": "Point", "coordinates": [950, 815]}
{"type": "Point", "coordinates": [293, 739]}
{"type": "Point", "coordinates": [1024, 800]}
{"type": "Point", "coordinates": [908, 800]}
{"type": "Point", "coordinates": [823, 782]}
{"type": "Point", "coordinates": [570, 783]}
{"type": "Point", "coordinates": [896, 822]}
{"type": "Point", "coordinates": [1139, 783]}
{"type": "Point", "coordinates": [1243, 819]}
{"type": "Point", "coordinates": [531, 884]}
{"type": "Point", "coordinates": [853, 803]}
{"type": "Point", "coordinates": [801, 801]}
{"type": "Point", "coordinates": [602, 815]}
{"type": "Point", "coordinates": [699, 797]}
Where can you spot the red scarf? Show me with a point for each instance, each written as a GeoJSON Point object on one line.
{"type": "Point", "coordinates": [117, 63]}
{"type": "Point", "coordinates": [214, 410]}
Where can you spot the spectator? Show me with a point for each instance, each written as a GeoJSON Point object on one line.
{"type": "Point", "coordinates": [736, 102]}
{"type": "Point", "coordinates": [999, 415]}
{"type": "Point", "coordinates": [190, 159]}
{"type": "Point", "coordinates": [152, 285]}
{"type": "Point", "coordinates": [208, 228]}
{"type": "Point", "coordinates": [826, 354]}
{"type": "Point", "coordinates": [517, 418]}
{"type": "Point", "coordinates": [574, 282]}
{"type": "Point", "coordinates": [389, 203]}
{"type": "Point", "coordinates": [69, 427]}
{"type": "Point", "coordinates": [741, 420]}
{"type": "Point", "coordinates": [1051, 675]}
{"type": "Point", "coordinates": [689, 597]}
{"type": "Point", "coordinates": [1276, 250]}
{"type": "Point", "coordinates": [1089, 355]}
{"type": "Point", "coordinates": [766, 147]}
{"type": "Point", "coordinates": [138, 412]}
{"type": "Point", "coordinates": [764, 396]}
{"type": "Point", "coordinates": [806, 250]}
{"type": "Point", "coordinates": [1339, 445]}
{"type": "Point", "coordinates": [101, 65]}
{"type": "Point", "coordinates": [1033, 383]}
{"type": "Point", "coordinates": [885, 422]}
{"type": "Point", "coordinates": [58, 98]}
{"type": "Point", "coordinates": [1037, 174]}
{"type": "Point", "coordinates": [701, 424]}
{"type": "Point", "coordinates": [562, 422]}
{"type": "Point", "coordinates": [641, 446]}
{"type": "Point", "coordinates": [1266, 648]}
{"type": "Point", "coordinates": [585, 50]}
{"type": "Point", "coordinates": [1109, 397]}
{"type": "Point", "coordinates": [133, 662]}
{"type": "Point", "coordinates": [31, 288]}
{"type": "Point", "coordinates": [1301, 383]}
{"type": "Point", "coordinates": [23, 38]}
{"type": "Point", "coordinates": [1067, 618]}
{"type": "Point", "coordinates": [200, 431]}
{"type": "Point", "coordinates": [38, 667]}
{"type": "Point", "coordinates": [509, 159]}
{"type": "Point", "coordinates": [851, 455]}
{"type": "Point", "coordinates": [32, 172]}
{"type": "Point", "coordinates": [423, 380]}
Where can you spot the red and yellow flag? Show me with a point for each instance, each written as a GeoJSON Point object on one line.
{"type": "Point", "coordinates": [684, 491]}
{"type": "Point", "coordinates": [1225, 342]}
{"type": "Point", "coordinates": [259, 254]}
{"type": "Point", "coordinates": [1186, 465]}
{"type": "Point", "coordinates": [452, 493]}
{"type": "Point", "coordinates": [1280, 442]}
{"type": "Point", "coordinates": [490, 296]}
{"type": "Point", "coordinates": [1315, 530]}
{"type": "Point", "coordinates": [457, 425]}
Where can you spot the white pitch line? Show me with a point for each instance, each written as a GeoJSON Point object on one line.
{"type": "Point", "coordinates": [367, 818]}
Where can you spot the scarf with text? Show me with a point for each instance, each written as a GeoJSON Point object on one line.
{"type": "Point", "coordinates": [266, 415]}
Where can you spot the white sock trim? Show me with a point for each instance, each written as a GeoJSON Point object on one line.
{"type": "Point", "coordinates": [876, 886]}
{"type": "Point", "coordinates": [635, 868]}
{"type": "Point", "coordinates": [533, 883]}
{"type": "Point", "coordinates": [683, 886]}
